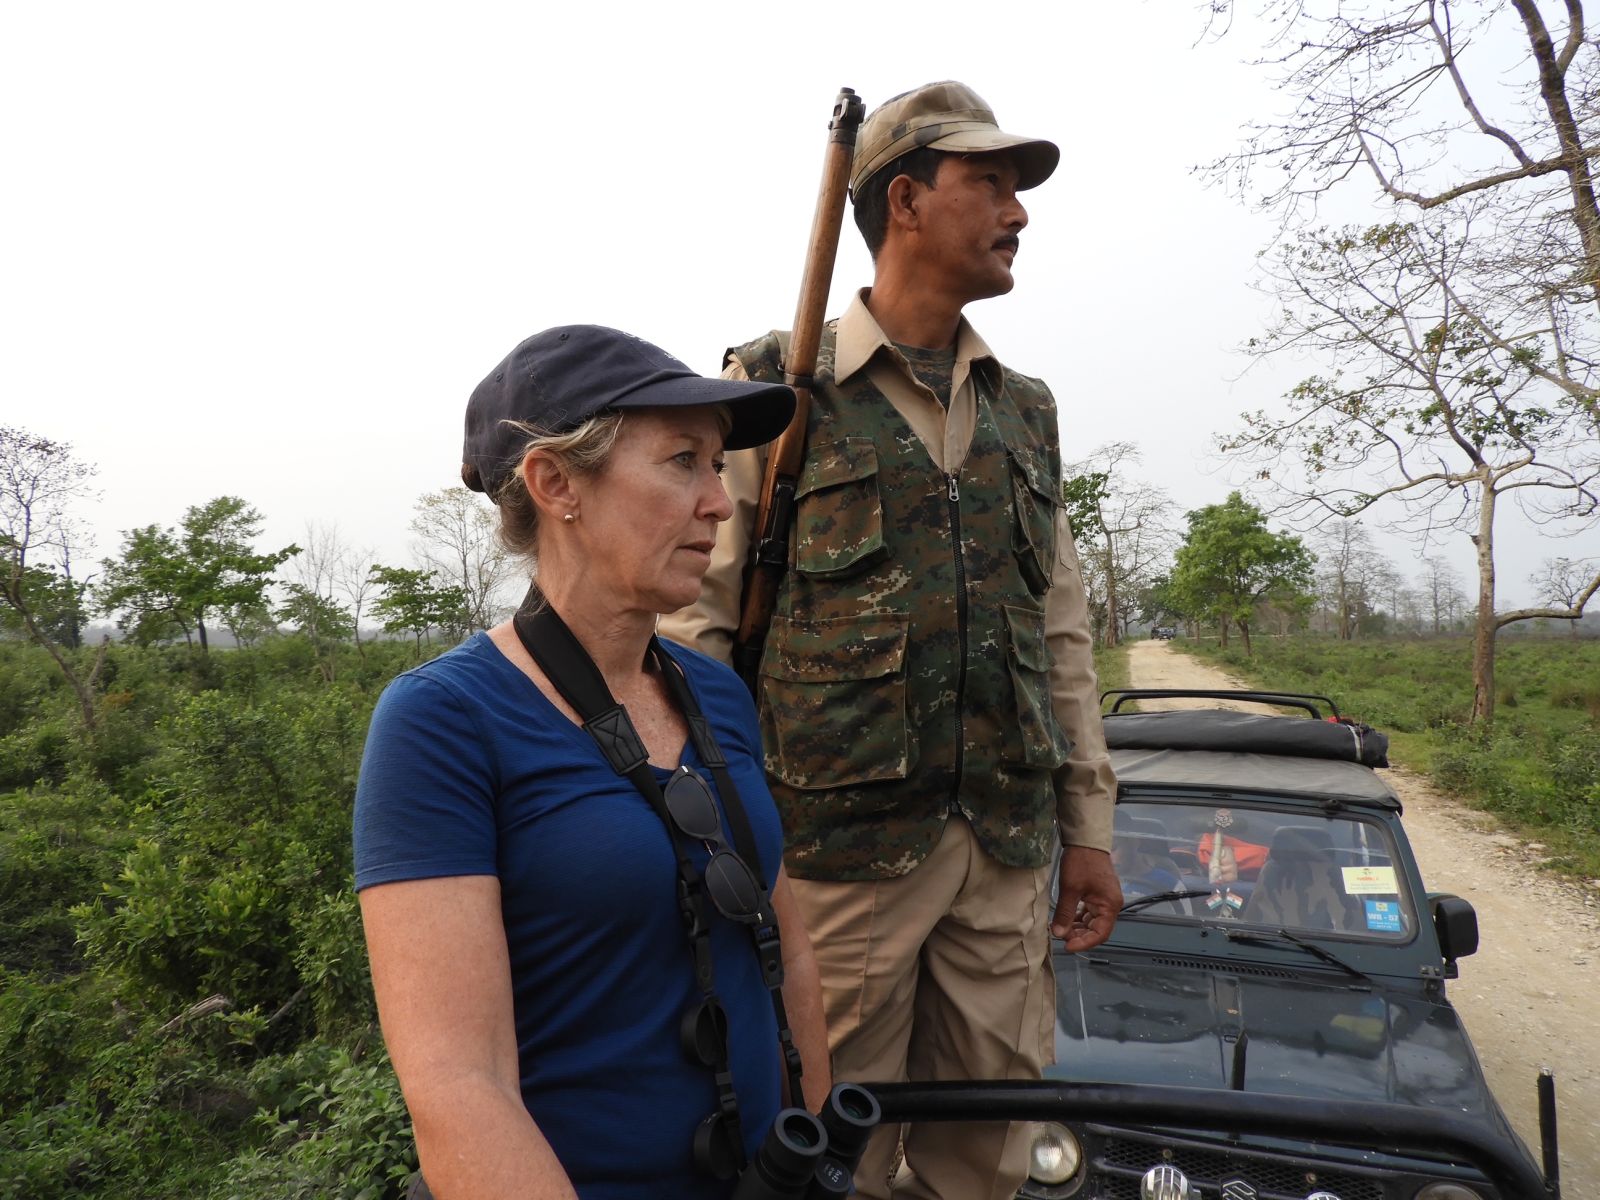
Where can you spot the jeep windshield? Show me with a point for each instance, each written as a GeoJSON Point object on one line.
{"type": "Point", "coordinates": [1304, 870]}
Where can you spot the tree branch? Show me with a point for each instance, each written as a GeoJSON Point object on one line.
{"type": "Point", "coordinates": [1467, 102]}
{"type": "Point", "coordinates": [1573, 612]}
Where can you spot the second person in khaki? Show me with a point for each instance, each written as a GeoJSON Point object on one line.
{"type": "Point", "coordinates": [927, 697]}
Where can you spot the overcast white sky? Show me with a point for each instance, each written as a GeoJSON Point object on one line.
{"type": "Point", "coordinates": [269, 250]}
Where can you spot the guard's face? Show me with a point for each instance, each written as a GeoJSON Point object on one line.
{"type": "Point", "coordinates": [648, 521]}
{"type": "Point", "coordinates": [970, 222]}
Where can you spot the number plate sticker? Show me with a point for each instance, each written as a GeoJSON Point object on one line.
{"type": "Point", "coordinates": [1383, 916]}
{"type": "Point", "coordinates": [1370, 881]}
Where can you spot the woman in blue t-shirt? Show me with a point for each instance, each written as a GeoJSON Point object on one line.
{"type": "Point", "coordinates": [520, 897]}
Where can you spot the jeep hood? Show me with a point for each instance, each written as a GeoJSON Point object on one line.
{"type": "Point", "coordinates": [1308, 1033]}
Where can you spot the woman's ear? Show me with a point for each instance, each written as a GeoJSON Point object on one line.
{"type": "Point", "coordinates": [549, 485]}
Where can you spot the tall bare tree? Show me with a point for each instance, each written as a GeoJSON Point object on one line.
{"type": "Point", "coordinates": [1125, 532]}
{"type": "Point", "coordinates": [455, 531]}
{"type": "Point", "coordinates": [1439, 594]}
{"type": "Point", "coordinates": [39, 481]}
{"type": "Point", "coordinates": [1566, 583]}
{"type": "Point", "coordinates": [353, 583]}
{"type": "Point", "coordinates": [1425, 410]}
{"type": "Point", "coordinates": [1349, 574]}
{"type": "Point", "coordinates": [1443, 107]}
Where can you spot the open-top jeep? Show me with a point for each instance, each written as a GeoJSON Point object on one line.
{"type": "Point", "coordinates": [1268, 1021]}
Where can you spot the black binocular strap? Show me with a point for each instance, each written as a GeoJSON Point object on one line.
{"type": "Point", "coordinates": [768, 947]}
{"type": "Point", "coordinates": [571, 670]}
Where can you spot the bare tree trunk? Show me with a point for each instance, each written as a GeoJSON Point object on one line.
{"type": "Point", "coordinates": [81, 690]}
{"type": "Point", "coordinates": [1485, 627]}
{"type": "Point", "coordinates": [1244, 632]}
{"type": "Point", "coordinates": [1113, 623]}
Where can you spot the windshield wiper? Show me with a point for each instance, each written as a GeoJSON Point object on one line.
{"type": "Point", "coordinates": [1279, 937]}
{"type": "Point", "coordinates": [1139, 902]}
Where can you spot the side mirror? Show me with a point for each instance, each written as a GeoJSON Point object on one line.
{"type": "Point", "coordinates": [1456, 924]}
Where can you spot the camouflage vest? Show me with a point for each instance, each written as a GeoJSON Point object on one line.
{"type": "Point", "coordinates": [906, 675]}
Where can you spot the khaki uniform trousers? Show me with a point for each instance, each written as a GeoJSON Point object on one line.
{"type": "Point", "coordinates": [940, 974]}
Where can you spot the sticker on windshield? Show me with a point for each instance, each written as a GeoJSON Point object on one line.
{"type": "Point", "coordinates": [1370, 881]}
{"type": "Point", "coordinates": [1383, 916]}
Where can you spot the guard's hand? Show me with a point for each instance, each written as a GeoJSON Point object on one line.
{"type": "Point", "coordinates": [1091, 897]}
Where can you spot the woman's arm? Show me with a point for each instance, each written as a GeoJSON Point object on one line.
{"type": "Point", "coordinates": [443, 983]}
{"type": "Point", "coordinates": [802, 997]}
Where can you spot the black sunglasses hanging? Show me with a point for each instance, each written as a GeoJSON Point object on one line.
{"type": "Point", "coordinates": [732, 878]}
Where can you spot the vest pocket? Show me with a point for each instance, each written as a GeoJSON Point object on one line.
{"type": "Point", "coordinates": [1033, 534]}
{"type": "Point", "coordinates": [838, 523]}
{"type": "Point", "coordinates": [1042, 742]}
{"type": "Point", "coordinates": [833, 701]}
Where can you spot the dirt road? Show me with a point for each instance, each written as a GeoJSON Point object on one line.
{"type": "Point", "coordinates": [1530, 997]}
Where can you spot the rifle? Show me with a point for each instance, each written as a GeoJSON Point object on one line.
{"type": "Point", "coordinates": [775, 512]}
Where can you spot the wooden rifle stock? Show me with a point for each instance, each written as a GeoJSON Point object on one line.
{"type": "Point", "coordinates": [775, 513]}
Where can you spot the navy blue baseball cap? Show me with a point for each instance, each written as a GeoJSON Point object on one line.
{"type": "Point", "coordinates": [556, 380]}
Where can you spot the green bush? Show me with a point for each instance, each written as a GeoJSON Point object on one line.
{"type": "Point", "coordinates": [336, 1128]}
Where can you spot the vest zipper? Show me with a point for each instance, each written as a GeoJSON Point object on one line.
{"type": "Point", "coordinates": [961, 636]}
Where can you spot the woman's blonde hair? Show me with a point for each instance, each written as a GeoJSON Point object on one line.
{"type": "Point", "coordinates": [582, 451]}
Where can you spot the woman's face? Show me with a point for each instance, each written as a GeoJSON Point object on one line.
{"type": "Point", "coordinates": [647, 522]}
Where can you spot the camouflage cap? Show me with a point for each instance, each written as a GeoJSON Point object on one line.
{"type": "Point", "coordinates": [946, 116]}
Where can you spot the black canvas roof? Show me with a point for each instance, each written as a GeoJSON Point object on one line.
{"type": "Point", "coordinates": [1221, 750]}
{"type": "Point", "coordinates": [1250, 733]}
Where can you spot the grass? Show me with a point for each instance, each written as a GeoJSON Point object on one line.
{"type": "Point", "coordinates": [1537, 767]}
{"type": "Point", "coordinates": [1111, 665]}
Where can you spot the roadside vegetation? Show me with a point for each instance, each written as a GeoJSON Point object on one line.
{"type": "Point", "coordinates": [184, 1005]}
{"type": "Point", "coordinates": [1111, 666]}
{"type": "Point", "coordinates": [1537, 766]}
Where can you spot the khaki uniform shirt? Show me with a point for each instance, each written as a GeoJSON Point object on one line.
{"type": "Point", "coordinates": [1085, 785]}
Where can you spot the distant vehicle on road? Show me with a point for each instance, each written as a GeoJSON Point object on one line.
{"type": "Point", "coordinates": [1164, 633]}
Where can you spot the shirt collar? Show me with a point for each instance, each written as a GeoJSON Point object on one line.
{"type": "Point", "coordinates": [860, 337]}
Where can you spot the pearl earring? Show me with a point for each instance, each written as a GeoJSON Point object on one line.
{"type": "Point", "coordinates": [571, 518]}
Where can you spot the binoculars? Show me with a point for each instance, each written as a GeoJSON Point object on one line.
{"type": "Point", "coordinates": [811, 1158]}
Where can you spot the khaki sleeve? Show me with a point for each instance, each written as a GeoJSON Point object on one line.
{"type": "Point", "coordinates": [1086, 789]}
{"type": "Point", "coordinates": [709, 624]}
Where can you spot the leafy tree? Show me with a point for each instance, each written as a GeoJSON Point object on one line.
{"type": "Point", "coordinates": [413, 602]}
{"type": "Point", "coordinates": [249, 621]}
{"type": "Point", "coordinates": [39, 479]}
{"type": "Point", "coordinates": [1230, 562]}
{"type": "Point", "coordinates": [177, 579]}
{"type": "Point", "coordinates": [1159, 603]}
{"type": "Point", "coordinates": [322, 621]}
{"type": "Point", "coordinates": [56, 603]}
{"type": "Point", "coordinates": [455, 531]}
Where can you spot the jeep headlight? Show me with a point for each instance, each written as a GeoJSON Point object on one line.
{"type": "Point", "coordinates": [1056, 1155]}
{"type": "Point", "coordinates": [1448, 1191]}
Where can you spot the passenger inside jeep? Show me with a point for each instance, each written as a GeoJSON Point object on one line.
{"type": "Point", "coordinates": [1300, 887]}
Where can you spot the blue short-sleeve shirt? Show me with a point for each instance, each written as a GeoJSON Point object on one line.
{"type": "Point", "coordinates": [470, 770]}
